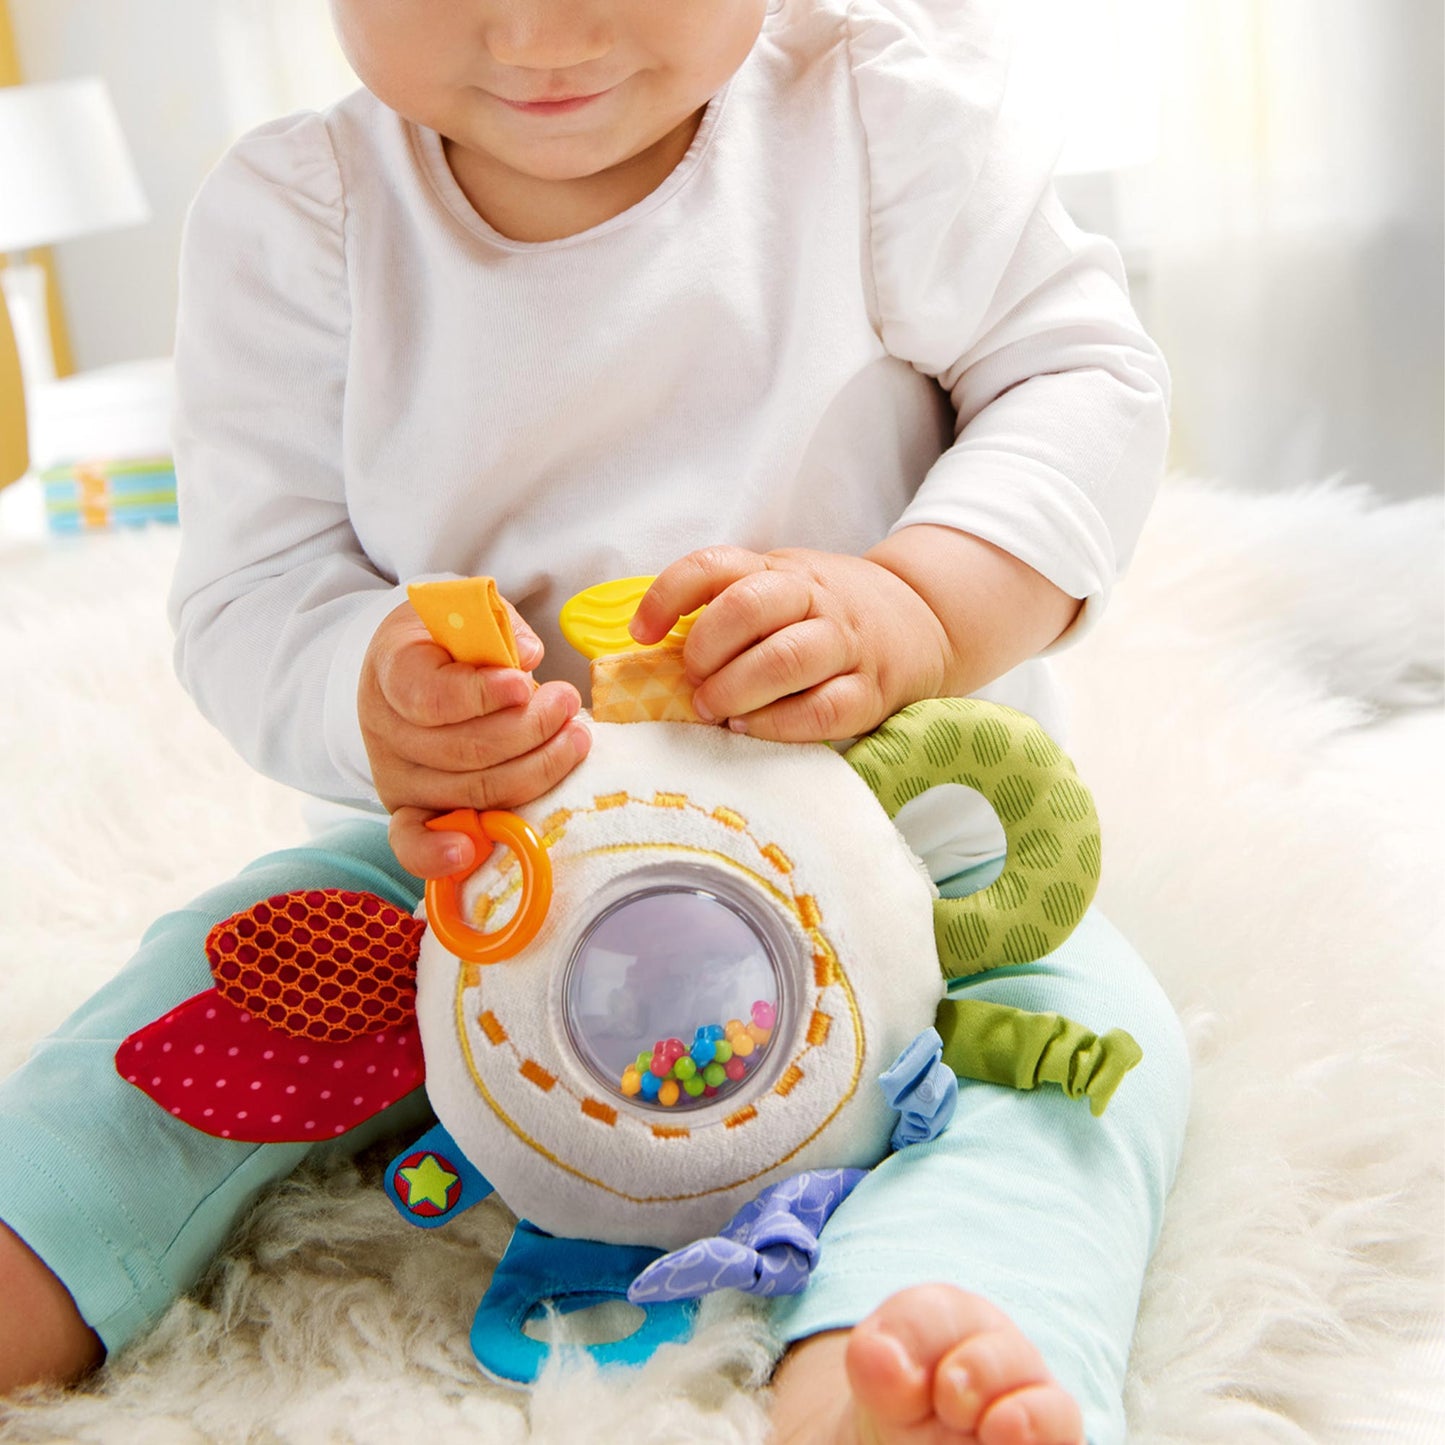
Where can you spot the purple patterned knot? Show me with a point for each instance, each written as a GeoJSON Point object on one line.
{"type": "Point", "coordinates": [769, 1247]}
{"type": "Point", "coordinates": [922, 1088]}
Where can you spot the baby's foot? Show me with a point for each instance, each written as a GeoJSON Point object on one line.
{"type": "Point", "coordinates": [932, 1365]}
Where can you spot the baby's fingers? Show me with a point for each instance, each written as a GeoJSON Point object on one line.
{"type": "Point", "coordinates": [790, 660]}
{"type": "Point", "coordinates": [426, 689]}
{"type": "Point", "coordinates": [846, 706]}
{"type": "Point", "coordinates": [689, 583]}
{"type": "Point", "coordinates": [425, 853]}
{"type": "Point", "coordinates": [485, 742]}
{"type": "Point", "coordinates": [431, 854]}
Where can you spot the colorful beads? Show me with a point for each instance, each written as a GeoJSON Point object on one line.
{"type": "Point", "coordinates": [719, 1057]}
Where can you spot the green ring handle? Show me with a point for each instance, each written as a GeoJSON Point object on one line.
{"type": "Point", "coordinates": [1048, 817]}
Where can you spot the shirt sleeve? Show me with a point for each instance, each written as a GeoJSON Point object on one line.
{"type": "Point", "coordinates": [982, 281]}
{"type": "Point", "coordinates": [274, 600]}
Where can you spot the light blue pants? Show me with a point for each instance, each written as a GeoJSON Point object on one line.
{"type": "Point", "coordinates": [1026, 1199]}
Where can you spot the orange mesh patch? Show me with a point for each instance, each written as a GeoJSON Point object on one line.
{"type": "Point", "coordinates": [326, 964]}
{"type": "Point", "coordinates": [492, 1027]}
{"type": "Point", "coordinates": [596, 1109]}
{"type": "Point", "coordinates": [534, 1073]}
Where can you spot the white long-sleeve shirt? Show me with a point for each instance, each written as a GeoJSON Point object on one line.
{"type": "Point", "coordinates": [854, 305]}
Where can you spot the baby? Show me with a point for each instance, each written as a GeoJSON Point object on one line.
{"type": "Point", "coordinates": [769, 298]}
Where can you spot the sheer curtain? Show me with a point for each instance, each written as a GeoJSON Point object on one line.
{"type": "Point", "coordinates": [278, 56]}
{"type": "Point", "coordinates": [1288, 235]}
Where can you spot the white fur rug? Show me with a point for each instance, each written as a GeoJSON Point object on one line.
{"type": "Point", "coordinates": [1273, 845]}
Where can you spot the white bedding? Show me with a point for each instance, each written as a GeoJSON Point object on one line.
{"type": "Point", "coordinates": [1260, 720]}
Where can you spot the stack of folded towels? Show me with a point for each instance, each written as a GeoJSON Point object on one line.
{"type": "Point", "coordinates": [101, 445]}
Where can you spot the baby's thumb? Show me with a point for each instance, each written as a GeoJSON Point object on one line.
{"type": "Point", "coordinates": [529, 645]}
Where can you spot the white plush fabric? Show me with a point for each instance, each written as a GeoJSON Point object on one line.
{"type": "Point", "coordinates": [1271, 844]}
{"type": "Point", "coordinates": [801, 841]}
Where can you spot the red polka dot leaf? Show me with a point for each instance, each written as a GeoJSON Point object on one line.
{"type": "Point", "coordinates": [309, 1031]}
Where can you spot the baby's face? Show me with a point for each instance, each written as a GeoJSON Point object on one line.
{"type": "Point", "coordinates": [453, 66]}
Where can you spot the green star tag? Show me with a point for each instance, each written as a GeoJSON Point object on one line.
{"type": "Point", "coordinates": [427, 1183]}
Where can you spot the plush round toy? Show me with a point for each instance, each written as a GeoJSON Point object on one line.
{"type": "Point", "coordinates": [657, 1014]}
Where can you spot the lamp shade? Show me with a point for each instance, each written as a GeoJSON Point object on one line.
{"type": "Point", "coordinates": [65, 169]}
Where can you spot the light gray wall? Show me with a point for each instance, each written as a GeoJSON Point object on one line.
{"type": "Point", "coordinates": [1285, 371]}
{"type": "Point", "coordinates": [187, 77]}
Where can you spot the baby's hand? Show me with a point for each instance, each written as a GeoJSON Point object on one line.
{"type": "Point", "coordinates": [442, 734]}
{"type": "Point", "coordinates": [796, 645]}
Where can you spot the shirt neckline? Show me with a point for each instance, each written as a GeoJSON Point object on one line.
{"type": "Point", "coordinates": [428, 145]}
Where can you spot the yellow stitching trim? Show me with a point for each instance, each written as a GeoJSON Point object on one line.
{"type": "Point", "coordinates": [804, 908]}
{"type": "Point", "coordinates": [557, 822]}
{"type": "Point", "coordinates": [743, 1116]}
{"type": "Point", "coordinates": [534, 1073]}
{"type": "Point", "coordinates": [784, 1086]}
{"type": "Point", "coordinates": [492, 1027]}
{"type": "Point", "coordinates": [777, 858]}
{"type": "Point", "coordinates": [596, 1109]}
{"type": "Point", "coordinates": [818, 1027]}
{"type": "Point", "coordinates": [668, 1131]}
{"type": "Point", "coordinates": [464, 1038]}
{"type": "Point", "coordinates": [666, 847]}
{"type": "Point", "coordinates": [610, 800]}
{"type": "Point", "coordinates": [669, 800]}
{"type": "Point", "coordinates": [824, 970]}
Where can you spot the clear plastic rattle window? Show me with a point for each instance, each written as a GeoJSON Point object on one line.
{"type": "Point", "coordinates": [673, 994]}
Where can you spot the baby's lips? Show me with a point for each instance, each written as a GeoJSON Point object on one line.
{"type": "Point", "coordinates": [221, 1070]}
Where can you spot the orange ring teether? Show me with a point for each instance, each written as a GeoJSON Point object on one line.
{"type": "Point", "coordinates": [443, 903]}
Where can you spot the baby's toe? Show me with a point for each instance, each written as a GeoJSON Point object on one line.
{"type": "Point", "coordinates": [1036, 1415]}
{"type": "Point", "coordinates": [893, 1355]}
{"type": "Point", "coordinates": [980, 1371]}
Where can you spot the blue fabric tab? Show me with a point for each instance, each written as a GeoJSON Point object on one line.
{"type": "Point", "coordinates": [769, 1247]}
{"type": "Point", "coordinates": [433, 1181]}
{"type": "Point", "coordinates": [922, 1088]}
{"type": "Point", "coordinates": [570, 1274]}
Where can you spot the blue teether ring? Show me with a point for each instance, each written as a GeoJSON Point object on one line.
{"type": "Point", "coordinates": [571, 1274]}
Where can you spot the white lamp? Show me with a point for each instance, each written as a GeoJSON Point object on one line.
{"type": "Point", "coordinates": [65, 171]}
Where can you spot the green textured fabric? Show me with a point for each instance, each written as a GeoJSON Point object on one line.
{"type": "Point", "coordinates": [1048, 819]}
{"type": "Point", "coordinates": [1003, 1045]}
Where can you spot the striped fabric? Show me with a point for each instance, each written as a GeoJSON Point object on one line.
{"type": "Point", "coordinates": [95, 496]}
